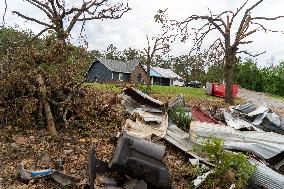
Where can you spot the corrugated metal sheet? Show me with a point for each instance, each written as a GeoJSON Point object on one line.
{"type": "Point", "coordinates": [259, 110]}
{"type": "Point", "coordinates": [266, 177]}
{"type": "Point", "coordinates": [246, 108]}
{"type": "Point", "coordinates": [263, 144]}
{"type": "Point", "coordinates": [199, 115]}
{"type": "Point", "coordinates": [182, 140]}
{"type": "Point", "coordinates": [142, 98]}
{"type": "Point", "coordinates": [236, 122]}
{"type": "Point", "coordinates": [153, 73]}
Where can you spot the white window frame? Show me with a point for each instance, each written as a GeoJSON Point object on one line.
{"type": "Point", "coordinates": [120, 76]}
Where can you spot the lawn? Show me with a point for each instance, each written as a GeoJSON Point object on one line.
{"type": "Point", "coordinates": [171, 91]}
{"type": "Point", "coordinates": [105, 87]}
{"type": "Point", "coordinates": [277, 97]}
{"type": "Point", "coordinates": [156, 89]}
{"type": "Point", "coordinates": [163, 91]}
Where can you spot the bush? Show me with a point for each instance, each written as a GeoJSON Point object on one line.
{"type": "Point", "coordinates": [180, 117]}
{"type": "Point", "coordinates": [230, 167]}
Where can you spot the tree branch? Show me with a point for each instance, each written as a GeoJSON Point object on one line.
{"type": "Point", "coordinates": [250, 54]}
{"type": "Point", "coordinates": [265, 18]}
{"type": "Point", "coordinates": [53, 7]}
{"type": "Point", "coordinates": [42, 5]}
{"type": "Point", "coordinates": [107, 14]}
{"type": "Point", "coordinates": [5, 11]}
{"type": "Point", "coordinates": [244, 20]}
{"type": "Point", "coordinates": [43, 8]}
{"type": "Point", "coordinates": [39, 34]}
{"type": "Point", "coordinates": [33, 19]}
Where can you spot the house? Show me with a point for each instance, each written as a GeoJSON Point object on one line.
{"type": "Point", "coordinates": [166, 77]}
{"type": "Point", "coordinates": [103, 70]}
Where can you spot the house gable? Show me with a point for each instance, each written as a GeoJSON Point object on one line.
{"type": "Point", "coordinates": [98, 72]}
{"type": "Point", "coordinates": [138, 73]}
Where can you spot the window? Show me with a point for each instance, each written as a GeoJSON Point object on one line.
{"type": "Point", "coordinates": [120, 76]}
{"type": "Point", "coordinates": [139, 78]}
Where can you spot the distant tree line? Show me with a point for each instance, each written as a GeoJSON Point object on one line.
{"type": "Point", "coordinates": [247, 73]}
{"type": "Point", "coordinates": [267, 79]}
{"type": "Point", "coordinates": [191, 67]}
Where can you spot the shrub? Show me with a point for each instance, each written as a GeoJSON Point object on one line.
{"type": "Point", "coordinates": [230, 167]}
{"type": "Point", "coordinates": [180, 117]}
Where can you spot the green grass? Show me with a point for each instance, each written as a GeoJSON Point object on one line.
{"type": "Point", "coordinates": [170, 91]}
{"type": "Point", "coordinates": [105, 87]}
{"type": "Point", "coordinates": [188, 92]}
{"type": "Point", "coordinates": [277, 97]}
{"type": "Point", "coordinates": [163, 91]}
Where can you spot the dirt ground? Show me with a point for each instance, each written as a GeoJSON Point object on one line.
{"type": "Point", "coordinates": [38, 151]}
{"type": "Point", "coordinates": [261, 99]}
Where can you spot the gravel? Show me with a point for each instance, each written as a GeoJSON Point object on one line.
{"type": "Point", "coordinates": [261, 99]}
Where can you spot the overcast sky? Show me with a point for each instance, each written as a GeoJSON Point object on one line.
{"type": "Point", "coordinates": [131, 30]}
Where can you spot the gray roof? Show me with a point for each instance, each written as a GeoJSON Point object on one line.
{"type": "Point", "coordinates": [119, 66]}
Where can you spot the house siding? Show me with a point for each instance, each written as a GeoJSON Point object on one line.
{"type": "Point", "coordinates": [99, 70]}
{"type": "Point", "coordinates": [138, 70]}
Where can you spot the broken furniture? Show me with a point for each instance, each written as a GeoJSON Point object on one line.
{"type": "Point", "coordinates": [136, 158]}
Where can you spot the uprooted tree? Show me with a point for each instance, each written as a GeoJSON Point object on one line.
{"type": "Point", "coordinates": [63, 17]}
{"type": "Point", "coordinates": [229, 41]}
{"type": "Point", "coordinates": [38, 90]}
{"type": "Point", "coordinates": [42, 75]}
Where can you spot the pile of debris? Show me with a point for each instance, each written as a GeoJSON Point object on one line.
{"type": "Point", "coordinates": [250, 117]}
{"type": "Point", "coordinates": [255, 131]}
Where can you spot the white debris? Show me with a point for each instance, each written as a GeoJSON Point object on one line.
{"type": "Point", "coordinates": [236, 122]}
{"type": "Point", "coordinates": [259, 110]}
{"type": "Point", "coordinates": [201, 178]}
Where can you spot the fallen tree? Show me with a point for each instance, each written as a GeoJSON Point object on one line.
{"type": "Point", "coordinates": [41, 86]}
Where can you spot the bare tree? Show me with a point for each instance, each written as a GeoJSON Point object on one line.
{"type": "Point", "coordinates": [228, 40]}
{"type": "Point", "coordinates": [62, 17]}
{"type": "Point", "coordinates": [4, 14]}
{"type": "Point", "coordinates": [161, 43]}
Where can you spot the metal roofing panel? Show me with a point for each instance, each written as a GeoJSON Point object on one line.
{"type": "Point", "coordinates": [236, 122]}
{"type": "Point", "coordinates": [259, 110]}
{"type": "Point", "coordinates": [153, 73]}
{"type": "Point", "coordinates": [142, 98]}
{"type": "Point", "coordinates": [246, 108]}
{"type": "Point", "coordinates": [166, 73]}
{"type": "Point", "coordinates": [264, 144]}
{"type": "Point", "coordinates": [266, 177]}
{"type": "Point", "coordinates": [119, 66]}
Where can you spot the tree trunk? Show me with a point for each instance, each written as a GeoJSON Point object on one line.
{"type": "Point", "coordinates": [228, 75]}
{"type": "Point", "coordinates": [148, 82]}
{"type": "Point", "coordinates": [44, 101]}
